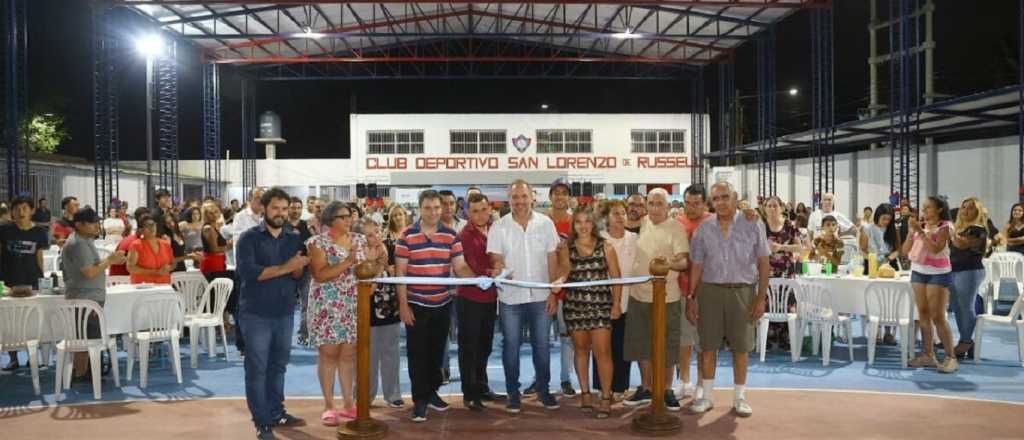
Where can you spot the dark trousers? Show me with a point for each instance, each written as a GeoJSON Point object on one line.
{"type": "Point", "coordinates": [424, 349]}
{"type": "Point", "coordinates": [270, 345]}
{"type": "Point", "coordinates": [476, 337]}
{"type": "Point", "coordinates": [232, 306]}
{"type": "Point", "coordinates": [620, 367]}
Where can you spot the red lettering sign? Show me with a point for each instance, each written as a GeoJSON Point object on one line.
{"type": "Point", "coordinates": [523, 163]}
{"type": "Point", "coordinates": [456, 163]}
{"type": "Point", "coordinates": [662, 162]}
{"type": "Point", "coordinates": [386, 163]}
{"type": "Point", "coordinates": [582, 162]}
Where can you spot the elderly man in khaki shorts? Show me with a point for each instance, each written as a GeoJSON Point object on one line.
{"type": "Point", "coordinates": [660, 237]}
{"type": "Point", "coordinates": [729, 264]}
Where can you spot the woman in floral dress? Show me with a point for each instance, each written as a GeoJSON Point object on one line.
{"type": "Point", "coordinates": [334, 254]}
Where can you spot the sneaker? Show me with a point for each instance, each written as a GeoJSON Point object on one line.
{"type": "Point", "coordinates": [289, 420]}
{"type": "Point", "coordinates": [701, 406]}
{"type": "Point", "coordinates": [640, 397]}
{"type": "Point", "coordinates": [396, 403]}
{"type": "Point", "coordinates": [530, 390]}
{"type": "Point", "coordinates": [437, 404]}
{"type": "Point", "coordinates": [567, 389]}
{"type": "Point", "coordinates": [548, 400]}
{"type": "Point", "coordinates": [474, 405]}
{"type": "Point", "coordinates": [683, 391]}
{"type": "Point", "coordinates": [618, 397]}
{"type": "Point", "coordinates": [742, 408]}
{"type": "Point", "coordinates": [889, 339]}
{"type": "Point", "coordinates": [671, 403]}
{"type": "Point", "coordinates": [513, 405]}
{"type": "Point", "coordinates": [419, 412]}
{"type": "Point", "coordinates": [11, 366]}
{"type": "Point", "coordinates": [949, 366]}
{"type": "Point", "coordinates": [265, 433]}
{"type": "Point", "coordinates": [491, 396]}
{"type": "Point", "coordinates": [923, 361]}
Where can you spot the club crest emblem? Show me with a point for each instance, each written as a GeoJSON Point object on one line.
{"type": "Point", "coordinates": [521, 143]}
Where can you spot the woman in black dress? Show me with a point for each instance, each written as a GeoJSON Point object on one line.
{"type": "Point", "coordinates": [589, 311]}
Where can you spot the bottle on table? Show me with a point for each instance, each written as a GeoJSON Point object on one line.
{"type": "Point", "coordinates": [872, 265]}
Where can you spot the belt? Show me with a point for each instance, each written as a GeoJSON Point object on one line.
{"type": "Point", "coordinates": [731, 285]}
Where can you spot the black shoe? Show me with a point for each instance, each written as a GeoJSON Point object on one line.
{"type": "Point", "coordinates": [640, 397]}
{"type": "Point", "coordinates": [289, 420]}
{"type": "Point", "coordinates": [419, 412]}
{"type": "Point", "coordinates": [671, 403]}
{"type": "Point", "coordinates": [437, 404]}
{"type": "Point", "coordinates": [12, 366]}
{"type": "Point", "coordinates": [513, 406]}
{"type": "Point", "coordinates": [530, 390]}
{"type": "Point", "coordinates": [549, 401]}
{"type": "Point", "coordinates": [474, 405]}
{"type": "Point", "coordinates": [446, 376]}
{"type": "Point", "coordinates": [491, 396]}
{"type": "Point", "coordinates": [567, 390]}
{"type": "Point", "coordinates": [396, 403]}
{"type": "Point", "coordinates": [265, 433]}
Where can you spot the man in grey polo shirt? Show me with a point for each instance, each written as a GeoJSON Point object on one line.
{"type": "Point", "coordinates": [85, 274]}
{"type": "Point", "coordinates": [729, 255]}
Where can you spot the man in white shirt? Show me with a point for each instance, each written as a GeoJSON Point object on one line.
{"type": "Point", "coordinates": [828, 203]}
{"type": "Point", "coordinates": [251, 215]}
{"type": "Point", "coordinates": [526, 243]}
{"type": "Point", "coordinates": [308, 212]}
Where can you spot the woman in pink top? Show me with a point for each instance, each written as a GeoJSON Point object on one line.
{"type": "Point", "coordinates": [928, 247]}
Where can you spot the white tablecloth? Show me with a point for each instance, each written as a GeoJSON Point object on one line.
{"type": "Point", "coordinates": [848, 292]}
{"type": "Point", "coordinates": [117, 308]}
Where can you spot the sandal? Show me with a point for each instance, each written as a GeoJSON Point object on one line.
{"type": "Point", "coordinates": [349, 413]}
{"type": "Point", "coordinates": [329, 418]}
{"type": "Point", "coordinates": [585, 405]}
{"type": "Point", "coordinates": [605, 410]}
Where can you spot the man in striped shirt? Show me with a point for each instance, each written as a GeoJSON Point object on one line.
{"type": "Point", "coordinates": [427, 249]}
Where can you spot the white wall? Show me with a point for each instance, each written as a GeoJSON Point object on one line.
{"type": "Point", "coordinates": [985, 168]}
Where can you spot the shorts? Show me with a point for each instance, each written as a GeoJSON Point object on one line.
{"type": "Point", "coordinates": [637, 344]}
{"type": "Point", "coordinates": [725, 314]}
{"type": "Point", "coordinates": [942, 279]}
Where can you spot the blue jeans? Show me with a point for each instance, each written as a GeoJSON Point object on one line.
{"type": "Point", "coordinates": [963, 291]}
{"type": "Point", "coordinates": [268, 344]}
{"type": "Point", "coordinates": [514, 317]}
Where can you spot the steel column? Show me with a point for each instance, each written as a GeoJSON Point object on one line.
{"type": "Point", "coordinates": [697, 110]}
{"type": "Point", "coordinates": [822, 103]}
{"type": "Point", "coordinates": [15, 94]}
{"type": "Point", "coordinates": [726, 110]}
{"type": "Point", "coordinates": [249, 131]}
{"type": "Point", "coordinates": [211, 130]}
{"type": "Point", "coordinates": [904, 101]}
{"type": "Point", "coordinates": [766, 114]}
{"type": "Point", "coordinates": [106, 117]}
{"type": "Point", "coordinates": [167, 109]}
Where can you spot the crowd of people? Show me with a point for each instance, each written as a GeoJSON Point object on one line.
{"type": "Point", "coordinates": [288, 254]}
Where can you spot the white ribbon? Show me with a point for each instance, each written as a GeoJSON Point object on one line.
{"type": "Point", "coordinates": [502, 279]}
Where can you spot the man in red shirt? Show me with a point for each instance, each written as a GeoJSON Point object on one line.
{"type": "Point", "coordinates": [476, 308]}
{"type": "Point", "coordinates": [695, 211]}
{"type": "Point", "coordinates": [64, 226]}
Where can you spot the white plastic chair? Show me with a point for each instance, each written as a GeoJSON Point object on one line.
{"type": "Point", "coordinates": [71, 318]}
{"type": "Point", "coordinates": [814, 307]}
{"type": "Point", "coordinates": [779, 290]}
{"type": "Point", "coordinates": [209, 316]}
{"type": "Point", "coordinates": [21, 328]}
{"type": "Point", "coordinates": [1004, 265]}
{"type": "Point", "coordinates": [889, 304]}
{"type": "Point", "coordinates": [192, 287]}
{"type": "Point", "coordinates": [117, 280]}
{"type": "Point", "coordinates": [1015, 318]}
{"type": "Point", "coordinates": [155, 318]}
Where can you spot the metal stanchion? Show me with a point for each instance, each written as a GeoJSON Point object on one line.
{"type": "Point", "coordinates": [364, 427]}
{"type": "Point", "coordinates": [657, 422]}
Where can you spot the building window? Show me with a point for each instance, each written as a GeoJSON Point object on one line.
{"type": "Point", "coordinates": [478, 141]}
{"type": "Point", "coordinates": [625, 189]}
{"type": "Point", "coordinates": [394, 142]}
{"type": "Point", "coordinates": [564, 141]}
{"type": "Point", "coordinates": [658, 141]}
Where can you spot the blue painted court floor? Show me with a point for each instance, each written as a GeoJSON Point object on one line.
{"type": "Point", "coordinates": [998, 376]}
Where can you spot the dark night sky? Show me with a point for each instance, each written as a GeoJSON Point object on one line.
{"type": "Point", "coordinates": [976, 51]}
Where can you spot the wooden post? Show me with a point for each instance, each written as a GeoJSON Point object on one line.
{"type": "Point", "coordinates": [657, 422]}
{"type": "Point", "coordinates": [363, 427]}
